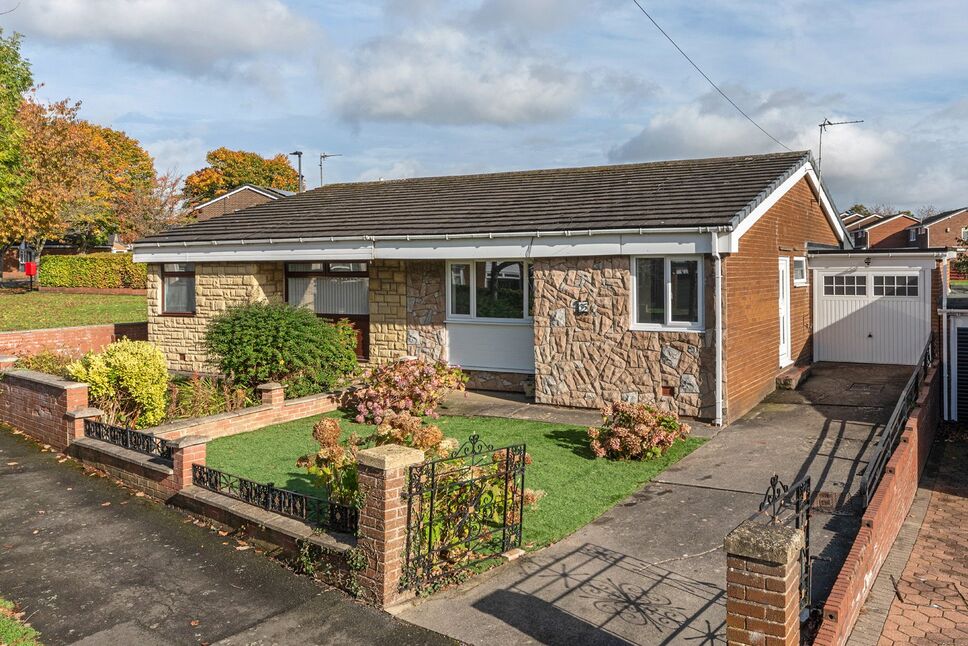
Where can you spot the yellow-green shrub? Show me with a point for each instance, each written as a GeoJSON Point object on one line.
{"type": "Point", "coordinates": [128, 380]}
{"type": "Point", "coordinates": [98, 270]}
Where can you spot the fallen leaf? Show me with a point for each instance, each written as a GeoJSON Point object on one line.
{"type": "Point", "coordinates": [195, 622]}
{"type": "Point", "coordinates": [239, 548]}
{"type": "Point", "coordinates": [140, 494]}
{"type": "Point", "coordinates": [11, 464]}
{"type": "Point", "coordinates": [105, 504]}
{"type": "Point", "coordinates": [223, 533]}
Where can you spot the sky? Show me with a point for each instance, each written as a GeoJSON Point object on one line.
{"type": "Point", "coordinates": [404, 88]}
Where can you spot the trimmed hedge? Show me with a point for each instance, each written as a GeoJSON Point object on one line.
{"type": "Point", "coordinates": [97, 270]}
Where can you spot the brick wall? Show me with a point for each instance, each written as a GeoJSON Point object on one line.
{"type": "Point", "coordinates": [71, 341]}
{"type": "Point", "coordinates": [218, 286]}
{"type": "Point", "coordinates": [751, 295]}
{"type": "Point", "coordinates": [241, 200]}
{"type": "Point", "coordinates": [893, 234]}
{"type": "Point", "coordinates": [947, 233]}
{"type": "Point", "coordinates": [884, 516]}
{"type": "Point", "coordinates": [39, 405]}
{"type": "Point", "coordinates": [388, 310]}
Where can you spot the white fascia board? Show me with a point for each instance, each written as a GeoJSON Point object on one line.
{"type": "Point", "coordinates": [462, 249]}
{"type": "Point", "coordinates": [806, 170]}
{"type": "Point", "coordinates": [852, 262]}
{"type": "Point", "coordinates": [244, 187]}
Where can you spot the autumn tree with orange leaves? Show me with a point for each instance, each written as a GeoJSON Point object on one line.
{"type": "Point", "coordinates": [229, 169]}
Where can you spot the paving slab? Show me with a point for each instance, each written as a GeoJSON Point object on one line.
{"type": "Point", "coordinates": [91, 563]}
{"type": "Point", "coordinates": [652, 570]}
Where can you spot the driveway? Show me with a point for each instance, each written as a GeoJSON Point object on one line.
{"type": "Point", "coordinates": [652, 570]}
{"type": "Point", "coordinates": [92, 564]}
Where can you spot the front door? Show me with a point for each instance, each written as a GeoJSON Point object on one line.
{"type": "Point", "coordinates": [784, 305]}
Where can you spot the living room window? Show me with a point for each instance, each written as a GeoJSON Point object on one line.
{"type": "Point", "coordinates": [493, 290]}
{"type": "Point", "coordinates": [178, 288]}
{"type": "Point", "coordinates": [667, 293]}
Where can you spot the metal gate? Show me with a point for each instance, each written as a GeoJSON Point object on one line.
{"type": "Point", "coordinates": [463, 510]}
{"type": "Point", "coordinates": [791, 506]}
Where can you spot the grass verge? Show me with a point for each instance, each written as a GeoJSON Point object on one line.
{"type": "Point", "coordinates": [33, 310]}
{"type": "Point", "coordinates": [579, 487]}
{"type": "Point", "coordinates": [13, 632]}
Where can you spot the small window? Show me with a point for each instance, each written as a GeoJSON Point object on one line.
{"type": "Point", "coordinates": [799, 272]}
{"type": "Point", "coordinates": [850, 285]}
{"type": "Point", "coordinates": [460, 289]}
{"type": "Point", "coordinates": [178, 288]}
{"type": "Point", "coordinates": [895, 285]}
{"type": "Point", "coordinates": [667, 293]}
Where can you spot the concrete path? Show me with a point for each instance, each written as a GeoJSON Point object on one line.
{"type": "Point", "coordinates": [651, 570]}
{"type": "Point", "coordinates": [92, 564]}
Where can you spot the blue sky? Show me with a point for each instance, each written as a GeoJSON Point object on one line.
{"type": "Point", "coordinates": [416, 87]}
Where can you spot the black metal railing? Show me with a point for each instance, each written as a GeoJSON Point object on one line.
{"type": "Point", "coordinates": [463, 510]}
{"type": "Point", "coordinates": [129, 439]}
{"type": "Point", "coordinates": [314, 511]}
{"type": "Point", "coordinates": [791, 506]}
{"type": "Point", "coordinates": [891, 436]}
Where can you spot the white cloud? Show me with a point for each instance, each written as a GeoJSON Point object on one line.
{"type": "Point", "coordinates": [180, 156]}
{"type": "Point", "coordinates": [402, 169]}
{"type": "Point", "coordinates": [442, 75]}
{"type": "Point", "coordinates": [197, 37]}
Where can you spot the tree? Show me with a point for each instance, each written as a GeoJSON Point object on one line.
{"type": "Point", "coordinates": [877, 209]}
{"type": "Point", "coordinates": [15, 80]}
{"type": "Point", "coordinates": [229, 169]}
{"type": "Point", "coordinates": [143, 213]}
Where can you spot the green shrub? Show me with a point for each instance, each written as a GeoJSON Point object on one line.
{"type": "Point", "coordinates": [258, 343]}
{"type": "Point", "coordinates": [128, 380]}
{"type": "Point", "coordinates": [99, 270]}
{"type": "Point", "coordinates": [46, 361]}
{"type": "Point", "coordinates": [199, 396]}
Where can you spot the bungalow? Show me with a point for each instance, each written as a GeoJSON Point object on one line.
{"type": "Point", "coordinates": [237, 199]}
{"type": "Point", "coordinates": [680, 282]}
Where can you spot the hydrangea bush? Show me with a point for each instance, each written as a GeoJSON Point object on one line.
{"type": "Point", "coordinates": [414, 386]}
{"type": "Point", "coordinates": [635, 432]}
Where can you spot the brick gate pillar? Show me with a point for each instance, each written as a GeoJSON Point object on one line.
{"type": "Point", "coordinates": [763, 585]}
{"type": "Point", "coordinates": [383, 518]}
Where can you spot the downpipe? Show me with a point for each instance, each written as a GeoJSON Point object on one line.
{"type": "Point", "coordinates": [718, 308]}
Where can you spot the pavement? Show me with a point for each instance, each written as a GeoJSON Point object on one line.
{"type": "Point", "coordinates": [930, 602]}
{"type": "Point", "coordinates": [92, 564]}
{"type": "Point", "coordinates": [652, 570]}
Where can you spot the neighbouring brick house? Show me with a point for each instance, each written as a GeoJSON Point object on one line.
{"type": "Point", "coordinates": [683, 282]}
{"type": "Point", "coordinates": [947, 229]}
{"type": "Point", "coordinates": [897, 231]}
{"type": "Point", "coordinates": [237, 199]}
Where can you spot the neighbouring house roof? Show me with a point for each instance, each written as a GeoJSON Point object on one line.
{"type": "Point", "coordinates": [938, 217]}
{"type": "Point", "coordinates": [684, 194]}
{"type": "Point", "coordinates": [858, 222]}
{"type": "Point", "coordinates": [271, 193]}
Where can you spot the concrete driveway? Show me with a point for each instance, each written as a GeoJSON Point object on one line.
{"type": "Point", "coordinates": [652, 570]}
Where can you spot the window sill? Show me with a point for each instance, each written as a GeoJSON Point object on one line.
{"type": "Point", "coordinates": [480, 321]}
{"type": "Point", "coordinates": [666, 328]}
{"type": "Point", "coordinates": [803, 283]}
{"type": "Point", "coordinates": [177, 314]}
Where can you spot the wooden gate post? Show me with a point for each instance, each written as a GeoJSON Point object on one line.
{"type": "Point", "coordinates": [763, 584]}
{"type": "Point", "coordinates": [383, 518]}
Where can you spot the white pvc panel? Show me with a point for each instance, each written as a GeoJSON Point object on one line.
{"type": "Point", "coordinates": [501, 347]}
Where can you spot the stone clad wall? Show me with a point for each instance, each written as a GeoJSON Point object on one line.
{"type": "Point", "coordinates": [388, 310]}
{"type": "Point", "coordinates": [589, 360]}
{"type": "Point", "coordinates": [218, 286]}
{"type": "Point", "coordinates": [427, 309]}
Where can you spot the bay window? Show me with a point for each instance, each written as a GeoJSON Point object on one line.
{"type": "Point", "coordinates": [178, 288]}
{"type": "Point", "coordinates": [490, 290]}
{"type": "Point", "coordinates": [667, 293]}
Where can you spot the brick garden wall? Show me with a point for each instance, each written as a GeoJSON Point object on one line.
{"type": "Point", "coordinates": [38, 405]}
{"type": "Point", "coordinates": [751, 295]}
{"type": "Point", "coordinates": [71, 341]}
{"type": "Point", "coordinates": [884, 516]}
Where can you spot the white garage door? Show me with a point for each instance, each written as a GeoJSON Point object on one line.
{"type": "Point", "coordinates": [871, 316]}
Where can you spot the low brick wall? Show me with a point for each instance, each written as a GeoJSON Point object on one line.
{"type": "Point", "coordinates": [884, 516]}
{"type": "Point", "coordinates": [273, 410]}
{"type": "Point", "coordinates": [40, 405]}
{"type": "Point", "coordinates": [116, 291]}
{"type": "Point", "coordinates": [71, 341]}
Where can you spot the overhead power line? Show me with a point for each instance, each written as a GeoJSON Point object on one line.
{"type": "Point", "coordinates": [709, 80]}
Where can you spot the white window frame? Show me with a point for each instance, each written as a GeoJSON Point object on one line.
{"type": "Point", "coordinates": [464, 318]}
{"type": "Point", "coordinates": [669, 325]}
{"type": "Point", "coordinates": [805, 281]}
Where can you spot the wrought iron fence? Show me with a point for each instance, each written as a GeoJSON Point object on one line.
{"type": "Point", "coordinates": [315, 511]}
{"type": "Point", "coordinates": [129, 439]}
{"type": "Point", "coordinates": [889, 439]}
{"type": "Point", "coordinates": [463, 510]}
{"type": "Point", "coordinates": [788, 506]}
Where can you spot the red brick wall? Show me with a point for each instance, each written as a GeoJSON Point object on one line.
{"type": "Point", "coordinates": [892, 234]}
{"type": "Point", "coordinates": [150, 481]}
{"type": "Point", "coordinates": [884, 516]}
{"type": "Point", "coordinates": [241, 200]}
{"type": "Point", "coordinates": [37, 404]}
{"type": "Point", "coordinates": [72, 341]}
{"type": "Point", "coordinates": [947, 233]}
{"type": "Point", "coordinates": [751, 294]}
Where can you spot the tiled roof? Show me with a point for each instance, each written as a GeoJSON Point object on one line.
{"type": "Point", "coordinates": [686, 193]}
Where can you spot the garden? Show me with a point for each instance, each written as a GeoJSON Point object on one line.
{"type": "Point", "coordinates": [26, 310]}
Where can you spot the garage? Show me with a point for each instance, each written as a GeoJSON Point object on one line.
{"type": "Point", "coordinates": [872, 307]}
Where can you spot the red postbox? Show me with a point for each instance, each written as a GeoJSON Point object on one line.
{"type": "Point", "coordinates": [30, 268]}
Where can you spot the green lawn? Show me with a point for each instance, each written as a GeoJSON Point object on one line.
{"type": "Point", "coordinates": [30, 310]}
{"type": "Point", "coordinates": [12, 631]}
{"type": "Point", "coordinates": [579, 487]}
